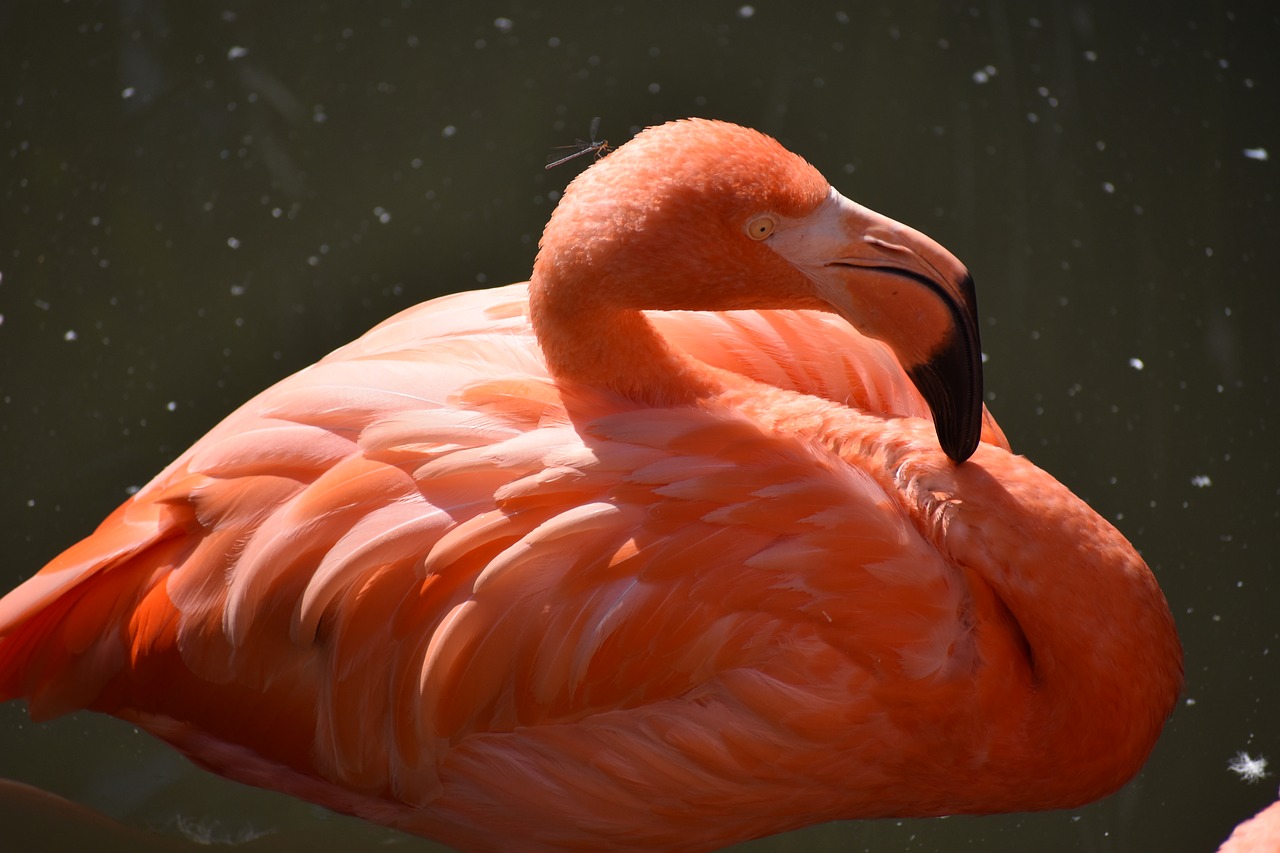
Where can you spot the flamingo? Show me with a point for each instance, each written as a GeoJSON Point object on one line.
{"type": "Point", "coordinates": [1258, 834]}
{"type": "Point", "coordinates": [702, 534]}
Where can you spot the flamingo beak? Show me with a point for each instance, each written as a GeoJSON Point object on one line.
{"type": "Point", "coordinates": [899, 286]}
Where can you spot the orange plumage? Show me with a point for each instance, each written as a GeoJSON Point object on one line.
{"type": "Point", "coordinates": [533, 567]}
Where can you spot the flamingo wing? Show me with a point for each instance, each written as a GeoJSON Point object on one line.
{"type": "Point", "coordinates": [415, 561]}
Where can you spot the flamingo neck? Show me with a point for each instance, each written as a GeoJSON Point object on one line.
{"type": "Point", "coordinates": [606, 348]}
{"type": "Point", "coordinates": [1101, 666]}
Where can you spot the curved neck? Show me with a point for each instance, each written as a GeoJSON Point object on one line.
{"type": "Point", "coordinates": [1101, 667]}
{"type": "Point", "coordinates": [588, 342]}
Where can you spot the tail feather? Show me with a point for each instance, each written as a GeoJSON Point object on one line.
{"type": "Point", "coordinates": [54, 648]}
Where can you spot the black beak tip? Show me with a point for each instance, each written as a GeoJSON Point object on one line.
{"type": "Point", "coordinates": [955, 399]}
{"type": "Point", "coordinates": [960, 443]}
{"type": "Point", "coordinates": [951, 380]}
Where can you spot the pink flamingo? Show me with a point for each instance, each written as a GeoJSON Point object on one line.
{"type": "Point", "coordinates": [669, 547]}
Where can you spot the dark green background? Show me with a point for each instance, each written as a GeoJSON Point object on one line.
{"type": "Point", "coordinates": [193, 206]}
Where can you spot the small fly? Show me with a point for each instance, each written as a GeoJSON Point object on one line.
{"type": "Point", "coordinates": [599, 146]}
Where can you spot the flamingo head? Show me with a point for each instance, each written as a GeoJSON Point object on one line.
{"type": "Point", "coordinates": [708, 216]}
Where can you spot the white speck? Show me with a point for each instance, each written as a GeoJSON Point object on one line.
{"type": "Point", "coordinates": [746, 11]}
{"type": "Point", "coordinates": [233, 242]}
{"type": "Point", "coordinates": [237, 290]}
{"type": "Point", "coordinates": [312, 260]}
{"type": "Point", "coordinates": [1248, 768]}
{"type": "Point", "coordinates": [1208, 251]}
{"type": "Point", "coordinates": [504, 25]}
{"type": "Point", "coordinates": [237, 52]}
{"type": "Point", "coordinates": [1136, 363]}
{"type": "Point", "coordinates": [382, 215]}
{"type": "Point", "coordinates": [1201, 481]}
{"type": "Point", "coordinates": [1033, 118]}
{"type": "Point", "coordinates": [1256, 153]}
{"type": "Point", "coordinates": [1108, 187]}
{"type": "Point", "coordinates": [842, 17]}
{"type": "Point", "coordinates": [416, 162]}
{"type": "Point", "coordinates": [983, 75]}
{"type": "Point", "coordinates": [129, 92]}
{"type": "Point", "coordinates": [318, 115]}
{"type": "Point", "coordinates": [70, 335]}
{"type": "Point", "coordinates": [654, 88]}
{"type": "Point", "coordinates": [172, 405]}
{"type": "Point", "coordinates": [449, 131]}
{"type": "Point", "coordinates": [1190, 701]}
{"type": "Point", "coordinates": [554, 41]}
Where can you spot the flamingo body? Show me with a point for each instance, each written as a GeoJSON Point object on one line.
{"type": "Point", "coordinates": [445, 580]}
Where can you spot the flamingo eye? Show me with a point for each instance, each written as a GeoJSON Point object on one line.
{"type": "Point", "coordinates": [761, 227]}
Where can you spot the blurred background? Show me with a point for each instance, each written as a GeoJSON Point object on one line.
{"type": "Point", "coordinates": [199, 199]}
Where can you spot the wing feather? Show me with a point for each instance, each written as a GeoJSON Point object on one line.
{"type": "Point", "coordinates": [415, 546]}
